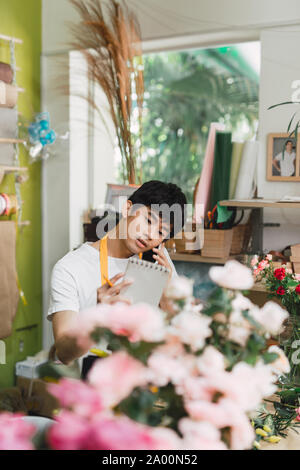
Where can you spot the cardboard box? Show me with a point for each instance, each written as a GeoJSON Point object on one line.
{"type": "Point", "coordinates": [36, 397]}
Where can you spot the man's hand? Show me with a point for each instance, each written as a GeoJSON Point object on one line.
{"type": "Point", "coordinates": [161, 258]}
{"type": "Point", "coordinates": [111, 295]}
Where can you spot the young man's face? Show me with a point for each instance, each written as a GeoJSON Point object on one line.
{"type": "Point", "coordinates": [289, 147]}
{"type": "Point", "coordinates": [145, 229]}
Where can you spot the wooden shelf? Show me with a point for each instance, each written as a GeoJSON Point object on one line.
{"type": "Point", "coordinates": [4, 170]}
{"type": "Point", "coordinates": [11, 141]}
{"type": "Point", "coordinates": [195, 258]}
{"type": "Point", "coordinates": [258, 203]}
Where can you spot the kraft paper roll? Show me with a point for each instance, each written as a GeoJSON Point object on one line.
{"type": "Point", "coordinates": [222, 167]}
{"type": "Point", "coordinates": [237, 151]}
{"type": "Point", "coordinates": [202, 196]}
{"type": "Point", "coordinates": [6, 73]}
{"type": "Point", "coordinates": [247, 173]}
{"type": "Point", "coordinates": [8, 95]}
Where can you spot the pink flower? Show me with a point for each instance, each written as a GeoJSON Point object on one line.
{"type": "Point", "coordinates": [15, 432]}
{"type": "Point", "coordinates": [78, 396]}
{"type": "Point", "coordinates": [199, 435]}
{"type": "Point", "coordinates": [164, 439]}
{"type": "Point", "coordinates": [115, 377]}
{"type": "Point", "coordinates": [224, 414]}
{"type": "Point", "coordinates": [263, 265]}
{"type": "Point", "coordinates": [119, 433]}
{"type": "Point", "coordinates": [297, 277]}
{"type": "Point", "coordinates": [233, 275]}
{"type": "Point", "coordinates": [69, 432]}
{"type": "Point", "coordinates": [170, 363]}
{"type": "Point", "coordinates": [271, 317]}
{"type": "Point", "coordinates": [269, 257]}
{"type": "Point", "coordinates": [297, 410]}
{"type": "Point", "coordinates": [191, 328]}
{"type": "Point", "coordinates": [254, 261]}
{"type": "Point", "coordinates": [210, 361]}
{"type": "Point", "coordinates": [138, 322]}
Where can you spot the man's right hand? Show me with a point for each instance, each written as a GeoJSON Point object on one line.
{"type": "Point", "coordinates": [111, 295]}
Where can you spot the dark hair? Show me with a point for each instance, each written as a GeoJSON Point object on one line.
{"type": "Point", "coordinates": [158, 192]}
{"type": "Point", "coordinates": [287, 141]}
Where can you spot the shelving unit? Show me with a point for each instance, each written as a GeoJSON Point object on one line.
{"type": "Point", "coordinates": [4, 170]}
{"type": "Point", "coordinates": [197, 258]}
{"type": "Point", "coordinates": [257, 206]}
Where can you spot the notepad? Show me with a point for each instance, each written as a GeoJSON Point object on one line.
{"type": "Point", "coordinates": [149, 281]}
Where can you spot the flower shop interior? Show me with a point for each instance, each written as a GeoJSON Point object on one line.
{"type": "Point", "coordinates": [98, 98]}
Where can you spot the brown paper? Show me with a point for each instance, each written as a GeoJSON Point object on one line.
{"type": "Point", "coordinates": [9, 293]}
{"type": "Point", "coordinates": [6, 73]}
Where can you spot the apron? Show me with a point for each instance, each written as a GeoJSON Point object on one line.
{"type": "Point", "coordinates": [98, 353]}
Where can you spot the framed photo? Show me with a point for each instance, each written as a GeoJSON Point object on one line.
{"type": "Point", "coordinates": [117, 194]}
{"type": "Point", "coordinates": [283, 162]}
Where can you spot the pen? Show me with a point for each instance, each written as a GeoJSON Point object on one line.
{"type": "Point", "coordinates": [108, 281]}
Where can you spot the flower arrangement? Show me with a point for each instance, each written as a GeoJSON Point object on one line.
{"type": "Point", "coordinates": [280, 282]}
{"type": "Point", "coordinates": [192, 381]}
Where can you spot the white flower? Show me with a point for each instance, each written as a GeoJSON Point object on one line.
{"type": "Point", "coordinates": [233, 275]}
{"type": "Point", "coordinates": [281, 365]}
{"type": "Point", "coordinates": [179, 287]}
{"type": "Point", "coordinates": [271, 317]}
{"type": "Point", "coordinates": [191, 328]}
{"type": "Point", "coordinates": [210, 361]}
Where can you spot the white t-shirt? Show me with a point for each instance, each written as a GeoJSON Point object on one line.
{"type": "Point", "coordinates": [286, 163]}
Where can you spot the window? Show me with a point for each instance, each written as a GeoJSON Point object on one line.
{"type": "Point", "coordinates": [184, 92]}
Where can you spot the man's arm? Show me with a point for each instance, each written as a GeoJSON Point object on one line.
{"type": "Point", "coordinates": [67, 349]}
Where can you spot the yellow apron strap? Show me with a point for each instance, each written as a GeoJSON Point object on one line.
{"type": "Point", "coordinates": [103, 260]}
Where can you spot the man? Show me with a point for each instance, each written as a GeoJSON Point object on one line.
{"type": "Point", "coordinates": [77, 276]}
{"type": "Point", "coordinates": [285, 162]}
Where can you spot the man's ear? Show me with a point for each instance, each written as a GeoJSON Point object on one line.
{"type": "Point", "coordinates": [126, 208]}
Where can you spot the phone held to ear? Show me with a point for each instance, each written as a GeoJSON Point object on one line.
{"type": "Point", "coordinates": [148, 256]}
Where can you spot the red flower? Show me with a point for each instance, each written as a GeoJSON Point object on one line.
{"type": "Point", "coordinates": [280, 290]}
{"type": "Point", "coordinates": [298, 289]}
{"type": "Point", "coordinates": [279, 273]}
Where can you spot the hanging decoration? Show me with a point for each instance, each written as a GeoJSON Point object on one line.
{"type": "Point", "coordinates": [40, 134]}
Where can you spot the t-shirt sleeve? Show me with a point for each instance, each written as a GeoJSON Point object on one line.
{"type": "Point", "coordinates": [174, 272]}
{"type": "Point", "coordinates": [278, 157]}
{"type": "Point", "coordinates": [63, 292]}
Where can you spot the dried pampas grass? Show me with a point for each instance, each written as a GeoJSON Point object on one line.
{"type": "Point", "coordinates": [108, 36]}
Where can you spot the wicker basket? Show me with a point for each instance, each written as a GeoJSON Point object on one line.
{"type": "Point", "coordinates": [217, 243]}
{"type": "Point", "coordinates": [238, 237]}
{"type": "Point", "coordinates": [189, 235]}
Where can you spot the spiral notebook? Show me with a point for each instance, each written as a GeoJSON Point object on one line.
{"type": "Point", "coordinates": [149, 281]}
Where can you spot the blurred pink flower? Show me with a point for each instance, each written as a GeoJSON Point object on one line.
{"type": "Point", "coordinates": [271, 317]}
{"type": "Point", "coordinates": [263, 264]}
{"type": "Point", "coordinates": [119, 433]}
{"type": "Point", "coordinates": [233, 275]}
{"type": "Point", "coordinates": [69, 432]}
{"type": "Point", "coordinates": [179, 287]}
{"type": "Point", "coordinates": [191, 328]}
{"type": "Point", "coordinates": [15, 433]}
{"type": "Point", "coordinates": [225, 414]}
{"type": "Point", "coordinates": [139, 322]}
{"type": "Point", "coordinates": [77, 395]}
{"type": "Point", "coordinates": [200, 435]}
{"type": "Point", "coordinates": [281, 365]}
{"type": "Point", "coordinates": [254, 260]}
{"type": "Point", "coordinates": [115, 377]}
{"type": "Point", "coordinates": [170, 363]}
{"type": "Point", "coordinates": [210, 361]}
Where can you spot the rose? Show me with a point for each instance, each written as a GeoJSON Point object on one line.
{"type": "Point", "coordinates": [279, 273]}
{"type": "Point", "coordinates": [280, 290]}
{"type": "Point", "coordinates": [298, 289]}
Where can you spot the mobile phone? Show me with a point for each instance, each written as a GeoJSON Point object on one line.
{"type": "Point", "coordinates": [148, 255]}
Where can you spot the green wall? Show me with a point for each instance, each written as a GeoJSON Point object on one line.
{"type": "Point", "coordinates": [22, 19]}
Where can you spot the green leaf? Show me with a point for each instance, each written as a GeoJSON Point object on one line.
{"type": "Point", "coordinates": [269, 357]}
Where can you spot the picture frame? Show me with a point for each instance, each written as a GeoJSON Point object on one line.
{"type": "Point", "coordinates": [117, 194]}
{"type": "Point", "coordinates": [283, 157]}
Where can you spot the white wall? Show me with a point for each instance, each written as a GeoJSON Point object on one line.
{"type": "Point", "coordinates": [280, 67]}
